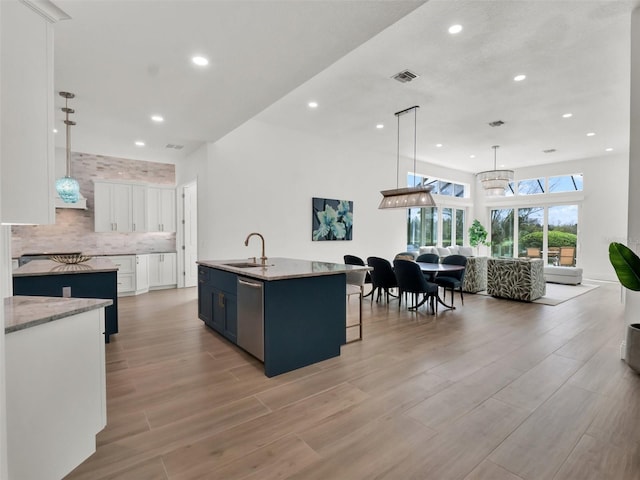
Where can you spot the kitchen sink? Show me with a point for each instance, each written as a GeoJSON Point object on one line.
{"type": "Point", "coordinates": [244, 265]}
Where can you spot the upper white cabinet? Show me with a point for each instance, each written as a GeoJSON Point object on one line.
{"type": "Point", "coordinates": [162, 209]}
{"type": "Point", "coordinates": [27, 158]}
{"type": "Point", "coordinates": [125, 207]}
{"type": "Point", "coordinates": [113, 207]}
{"type": "Point", "coordinates": [138, 208]}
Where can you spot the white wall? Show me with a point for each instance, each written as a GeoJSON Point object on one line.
{"type": "Point", "coordinates": [262, 178]}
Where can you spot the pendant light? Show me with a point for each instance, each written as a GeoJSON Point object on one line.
{"type": "Point", "coordinates": [67, 187]}
{"type": "Point", "coordinates": [416, 196]}
{"type": "Point", "coordinates": [495, 181]}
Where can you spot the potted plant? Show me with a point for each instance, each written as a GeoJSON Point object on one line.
{"type": "Point", "coordinates": [478, 235]}
{"type": "Point", "coordinates": [627, 266]}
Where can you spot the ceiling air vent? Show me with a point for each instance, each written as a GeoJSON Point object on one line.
{"type": "Point", "coordinates": [549, 150]}
{"type": "Point", "coordinates": [497, 123]}
{"type": "Point", "coordinates": [405, 76]}
{"type": "Point", "coordinates": [175, 147]}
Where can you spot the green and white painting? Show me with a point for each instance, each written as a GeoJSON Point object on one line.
{"type": "Point", "coordinates": [332, 219]}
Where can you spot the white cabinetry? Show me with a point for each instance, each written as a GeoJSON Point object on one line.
{"type": "Point", "coordinates": [113, 207]}
{"type": "Point", "coordinates": [126, 207]}
{"type": "Point", "coordinates": [56, 395]}
{"type": "Point", "coordinates": [162, 270]}
{"type": "Point", "coordinates": [126, 273]}
{"type": "Point", "coordinates": [142, 273]}
{"type": "Point", "coordinates": [138, 208]}
{"type": "Point", "coordinates": [162, 209]}
{"type": "Point", "coordinates": [27, 109]}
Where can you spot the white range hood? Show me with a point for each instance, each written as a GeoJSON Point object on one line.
{"type": "Point", "coordinates": [81, 204]}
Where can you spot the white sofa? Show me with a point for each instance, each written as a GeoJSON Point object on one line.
{"type": "Point", "coordinates": [446, 251]}
{"type": "Point", "coordinates": [564, 275]}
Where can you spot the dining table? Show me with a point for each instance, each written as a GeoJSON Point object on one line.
{"type": "Point", "coordinates": [434, 269]}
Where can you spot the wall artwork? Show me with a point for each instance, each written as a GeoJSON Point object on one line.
{"type": "Point", "coordinates": [332, 219]}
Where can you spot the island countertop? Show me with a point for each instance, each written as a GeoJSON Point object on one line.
{"type": "Point", "coordinates": [282, 268]}
{"type": "Point", "coordinates": [49, 267]}
{"type": "Point", "coordinates": [22, 312]}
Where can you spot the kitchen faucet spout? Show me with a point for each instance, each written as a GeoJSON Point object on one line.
{"type": "Point", "coordinates": [246, 243]}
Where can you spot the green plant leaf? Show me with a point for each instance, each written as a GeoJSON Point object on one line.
{"type": "Point", "coordinates": [626, 264]}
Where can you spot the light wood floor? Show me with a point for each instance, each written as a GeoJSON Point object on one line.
{"type": "Point", "coordinates": [495, 390]}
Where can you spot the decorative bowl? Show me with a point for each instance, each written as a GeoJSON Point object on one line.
{"type": "Point", "coordinates": [70, 259]}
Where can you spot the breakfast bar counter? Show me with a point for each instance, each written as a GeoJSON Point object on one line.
{"type": "Point", "coordinates": [288, 313]}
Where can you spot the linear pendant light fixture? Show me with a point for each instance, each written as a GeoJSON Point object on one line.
{"type": "Point", "coordinates": [416, 196]}
{"type": "Point", "coordinates": [67, 187]}
{"type": "Point", "coordinates": [495, 181]}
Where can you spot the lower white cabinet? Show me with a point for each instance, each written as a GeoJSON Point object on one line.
{"type": "Point", "coordinates": [126, 273]}
{"type": "Point", "coordinates": [142, 273]}
{"type": "Point", "coordinates": [162, 270]}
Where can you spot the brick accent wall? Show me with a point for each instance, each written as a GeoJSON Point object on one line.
{"type": "Point", "coordinates": [73, 230]}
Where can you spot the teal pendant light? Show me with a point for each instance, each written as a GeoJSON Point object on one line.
{"type": "Point", "coordinates": [67, 187]}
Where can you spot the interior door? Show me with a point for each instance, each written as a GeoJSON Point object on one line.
{"type": "Point", "coordinates": [190, 234]}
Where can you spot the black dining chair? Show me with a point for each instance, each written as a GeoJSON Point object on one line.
{"type": "Point", "coordinates": [353, 260]}
{"type": "Point", "coordinates": [452, 280]}
{"type": "Point", "coordinates": [411, 280]}
{"type": "Point", "coordinates": [428, 258]}
{"type": "Point", "coordinates": [382, 277]}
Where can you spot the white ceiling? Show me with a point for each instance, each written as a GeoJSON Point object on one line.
{"type": "Point", "coordinates": [126, 60]}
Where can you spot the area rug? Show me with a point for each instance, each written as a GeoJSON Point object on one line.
{"type": "Point", "coordinates": [558, 293]}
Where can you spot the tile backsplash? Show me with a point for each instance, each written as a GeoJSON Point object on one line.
{"type": "Point", "coordinates": [74, 229]}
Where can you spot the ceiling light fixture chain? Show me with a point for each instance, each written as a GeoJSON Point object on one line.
{"type": "Point", "coordinates": [416, 196]}
{"type": "Point", "coordinates": [495, 181]}
{"type": "Point", "coordinates": [67, 187]}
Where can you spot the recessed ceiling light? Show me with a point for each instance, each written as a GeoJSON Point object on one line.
{"type": "Point", "coordinates": [453, 29]}
{"type": "Point", "coordinates": [590, 134]}
{"type": "Point", "coordinates": [157, 118]}
{"type": "Point", "coordinates": [438, 145]}
{"type": "Point", "coordinates": [313, 104]}
{"type": "Point", "coordinates": [567, 115]}
{"type": "Point", "coordinates": [519, 78]}
{"type": "Point", "coordinates": [379, 126]}
{"type": "Point", "coordinates": [55, 130]}
{"type": "Point", "coordinates": [139, 143]}
{"type": "Point", "coordinates": [472, 156]}
{"type": "Point", "coordinates": [608, 149]}
{"type": "Point", "coordinates": [200, 61]}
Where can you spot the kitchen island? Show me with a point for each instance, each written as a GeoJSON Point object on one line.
{"type": "Point", "coordinates": [55, 383]}
{"type": "Point", "coordinates": [288, 313]}
{"type": "Point", "coordinates": [95, 278]}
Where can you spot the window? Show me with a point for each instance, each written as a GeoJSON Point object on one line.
{"type": "Point", "coordinates": [502, 232]}
{"type": "Point", "coordinates": [565, 183]}
{"type": "Point", "coordinates": [459, 227]}
{"type": "Point", "coordinates": [422, 227]}
{"type": "Point", "coordinates": [532, 186]}
{"type": "Point", "coordinates": [562, 235]}
{"type": "Point", "coordinates": [530, 231]}
{"type": "Point", "coordinates": [438, 186]}
{"type": "Point", "coordinates": [447, 226]}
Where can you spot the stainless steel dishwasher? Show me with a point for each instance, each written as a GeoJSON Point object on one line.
{"type": "Point", "coordinates": [251, 316]}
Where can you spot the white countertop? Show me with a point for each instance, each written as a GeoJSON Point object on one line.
{"type": "Point", "coordinates": [22, 312]}
{"type": "Point", "coordinates": [49, 267]}
{"type": "Point", "coordinates": [282, 268]}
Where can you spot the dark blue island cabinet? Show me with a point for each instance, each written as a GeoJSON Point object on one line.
{"type": "Point", "coordinates": [304, 308]}
{"type": "Point", "coordinates": [96, 278]}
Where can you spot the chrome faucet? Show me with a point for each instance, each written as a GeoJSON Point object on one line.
{"type": "Point", "coordinates": [246, 244]}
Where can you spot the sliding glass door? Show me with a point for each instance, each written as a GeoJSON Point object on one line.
{"type": "Point", "coordinates": [562, 235]}
{"type": "Point", "coordinates": [540, 232]}
{"type": "Point", "coordinates": [502, 232]}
